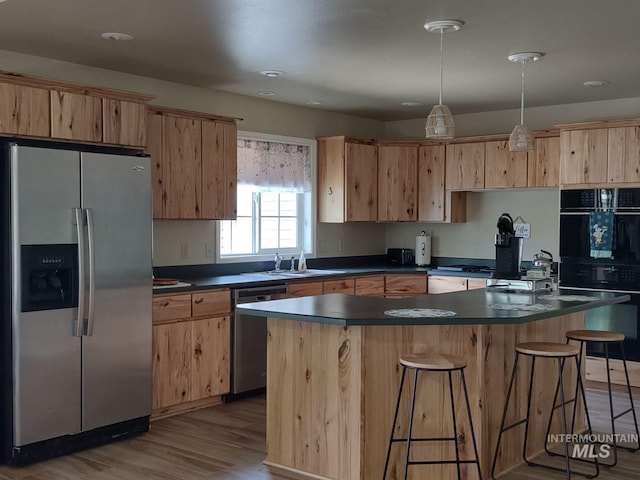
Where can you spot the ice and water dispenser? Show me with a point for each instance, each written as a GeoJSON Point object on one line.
{"type": "Point", "coordinates": [49, 277]}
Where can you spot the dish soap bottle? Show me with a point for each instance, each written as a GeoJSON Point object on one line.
{"type": "Point", "coordinates": [302, 263]}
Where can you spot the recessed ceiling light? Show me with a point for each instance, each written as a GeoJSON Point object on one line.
{"type": "Point", "coordinates": [272, 73]}
{"type": "Point", "coordinates": [410, 104]}
{"type": "Point", "coordinates": [266, 93]}
{"type": "Point", "coordinates": [596, 83]}
{"type": "Point", "coordinates": [116, 36]}
{"type": "Point", "coordinates": [314, 102]}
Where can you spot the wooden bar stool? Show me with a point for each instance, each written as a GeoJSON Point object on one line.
{"type": "Point", "coordinates": [606, 338]}
{"type": "Point", "coordinates": [549, 350]}
{"type": "Point", "coordinates": [433, 362]}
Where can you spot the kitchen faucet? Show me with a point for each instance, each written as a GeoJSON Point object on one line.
{"type": "Point", "coordinates": [278, 260]}
{"type": "Point", "coordinates": [293, 268]}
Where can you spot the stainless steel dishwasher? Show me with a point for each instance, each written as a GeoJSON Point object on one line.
{"type": "Point", "coordinates": [249, 342]}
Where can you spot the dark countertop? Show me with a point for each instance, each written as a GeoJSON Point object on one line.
{"type": "Point", "coordinates": [258, 279]}
{"type": "Point", "coordinates": [471, 307]}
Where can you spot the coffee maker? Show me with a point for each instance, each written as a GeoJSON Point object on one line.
{"type": "Point", "coordinates": [508, 249]}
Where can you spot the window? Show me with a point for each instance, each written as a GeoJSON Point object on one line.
{"type": "Point", "coordinates": [275, 199]}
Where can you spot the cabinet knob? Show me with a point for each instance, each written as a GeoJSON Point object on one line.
{"type": "Point", "coordinates": [330, 191]}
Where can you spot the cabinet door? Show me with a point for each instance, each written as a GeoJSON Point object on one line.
{"type": "Point", "coordinates": [431, 196]}
{"type": "Point", "coordinates": [182, 167]}
{"type": "Point", "coordinates": [345, 285]}
{"type": "Point", "coordinates": [331, 180]}
{"type": "Point", "coordinates": [303, 289]}
{"type": "Point", "coordinates": [583, 156]}
{"type": "Point", "coordinates": [465, 166]}
{"type": "Point", "coordinates": [361, 182]}
{"type": "Point", "coordinates": [444, 284]}
{"type": "Point", "coordinates": [219, 170]}
{"type": "Point", "coordinates": [76, 117]}
{"type": "Point", "coordinates": [543, 164]}
{"type": "Point", "coordinates": [397, 183]}
{"type": "Point", "coordinates": [124, 123]}
{"type": "Point", "coordinates": [154, 148]}
{"type": "Point", "coordinates": [502, 168]}
{"type": "Point", "coordinates": [24, 110]}
{"type": "Point", "coordinates": [171, 364]}
{"type": "Point", "coordinates": [371, 286]}
{"type": "Point", "coordinates": [623, 153]}
{"type": "Point", "coordinates": [210, 343]}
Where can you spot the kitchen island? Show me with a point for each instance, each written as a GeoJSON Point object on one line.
{"type": "Point", "coordinates": [333, 374]}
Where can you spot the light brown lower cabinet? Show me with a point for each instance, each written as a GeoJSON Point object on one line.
{"type": "Point", "coordinates": [370, 285]}
{"type": "Point", "coordinates": [405, 285]}
{"type": "Point", "coordinates": [191, 351]}
{"type": "Point", "coordinates": [450, 283]}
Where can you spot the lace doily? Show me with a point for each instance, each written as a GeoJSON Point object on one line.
{"type": "Point", "coordinates": [568, 298]}
{"type": "Point", "coordinates": [524, 307]}
{"type": "Point", "coordinates": [419, 312]}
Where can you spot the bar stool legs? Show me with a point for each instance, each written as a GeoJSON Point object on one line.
{"type": "Point", "coordinates": [430, 366]}
{"type": "Point", "coordinates": [604, 337]}
{"type": "Point", "coordinates": [552, 351]}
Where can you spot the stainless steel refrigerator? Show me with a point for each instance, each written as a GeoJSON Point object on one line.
{"type": "Point", "coordinates": [76, 295]}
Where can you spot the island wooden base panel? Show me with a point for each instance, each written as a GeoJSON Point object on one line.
{"type": "Point", "coordinates": [332, 393]}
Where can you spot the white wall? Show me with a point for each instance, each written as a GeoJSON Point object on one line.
{"type": "Point", "coordinates": [475, 238]}
{"type": "Point", "coordinates": [258, 115]}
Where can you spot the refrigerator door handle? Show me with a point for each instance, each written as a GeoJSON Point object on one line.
{"type": "Point", "coordinates": [79, 216]}
{"type": "Point", "coordinates": [92, 271]}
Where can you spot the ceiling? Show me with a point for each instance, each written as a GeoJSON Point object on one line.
{"type": "Point", "coordinates": [358, 57]}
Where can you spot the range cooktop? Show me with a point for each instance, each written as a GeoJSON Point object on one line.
{"type": "Point", "coordinates": [466, 268]}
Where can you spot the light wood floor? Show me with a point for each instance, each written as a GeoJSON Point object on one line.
{"type": "Point", "coordinates": [227, 442]}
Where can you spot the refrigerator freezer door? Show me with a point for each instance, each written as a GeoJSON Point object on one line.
{"type": "Point", "coordinates": [117, 356]}
{"type": "Point", "coordinates": [46, 354]}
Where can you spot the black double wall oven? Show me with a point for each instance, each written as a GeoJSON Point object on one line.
{"type": "Point", "coordinates": [618, 272]}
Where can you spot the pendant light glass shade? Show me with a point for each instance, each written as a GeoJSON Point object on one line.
{"type": "Point", "coordinates": [440, 125]}
{"type": "Point", "coordinates": [521, 138]}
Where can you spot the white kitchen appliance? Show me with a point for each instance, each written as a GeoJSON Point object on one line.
{"type": "Point", "coordinates": [423, 250]}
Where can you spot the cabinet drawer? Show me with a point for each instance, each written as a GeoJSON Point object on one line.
{"type": "Point", "coordinates": [402, 284]}
{"type": "Point", "coordinates": [370, 285]}
{"type": "Point", "coordinates": [346, 285]}
{"type": "Point", "coordinates": [171, 307]}
{"type": "Point", "coordinates": [303, 289]}
{"type": "Point", "coordinates": [211, 303]}
{"type": "Point", "coordinates": [444, 284]}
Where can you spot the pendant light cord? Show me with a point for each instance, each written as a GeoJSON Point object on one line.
{"type": "Point", "coordinates": [441, 61]}
{"type": "Point", "coordinates": [522, 97]}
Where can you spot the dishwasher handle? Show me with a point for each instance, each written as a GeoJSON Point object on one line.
{"type": "Point", "coordinates": [259, 294]}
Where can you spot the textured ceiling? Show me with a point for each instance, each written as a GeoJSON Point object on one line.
{"type": "Point", "coordinates": [359, 57]}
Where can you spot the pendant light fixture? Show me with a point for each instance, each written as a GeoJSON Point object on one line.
{"type": "Point", "coordinates": [521, 138]}
{"type": "Point", "coordinates": [440, 124]}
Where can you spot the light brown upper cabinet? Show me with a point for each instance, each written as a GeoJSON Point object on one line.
{"type": "Point", "coordinates": [124, 122]}
{"type": "Point", "coordinates": [623, 154]}
{"type": "Point", "coordinates": [600, 153]}
{"type": "Point", "coordinates": [504, 169]}
{"type": "Point", "coordinates": [194, 164]}
{"type": "Point", "coordinates": [583, 156]}
{"type": "Point", "coordinates": [465, 166]}
{"type": "Point", "coordinates": [543, 164]}
{"type": "Point", "coordinates": [36, 107]}
{"type": "Point", "coordinates": [431, 196]}
{"type": "Point", "coordinates": [76, 116]}
{"type": "Point", "coordinates": [24, 110]}
{"type": "Point", "coordinates": [397, 183]}
{"type": "Point", "coordinates": [347, 180]}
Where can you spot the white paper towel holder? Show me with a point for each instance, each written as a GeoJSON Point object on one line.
{"type": "Point", "coordinates": [423, 250]}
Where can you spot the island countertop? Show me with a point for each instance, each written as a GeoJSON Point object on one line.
{"type": "Point", "coordinates": [477, 307]}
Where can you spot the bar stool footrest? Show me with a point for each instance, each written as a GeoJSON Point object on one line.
{"type": "Point", "coordinates": [438, 462]}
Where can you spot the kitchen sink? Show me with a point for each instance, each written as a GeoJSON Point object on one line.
{"type": "Point", "coordinates": [298, 274]}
